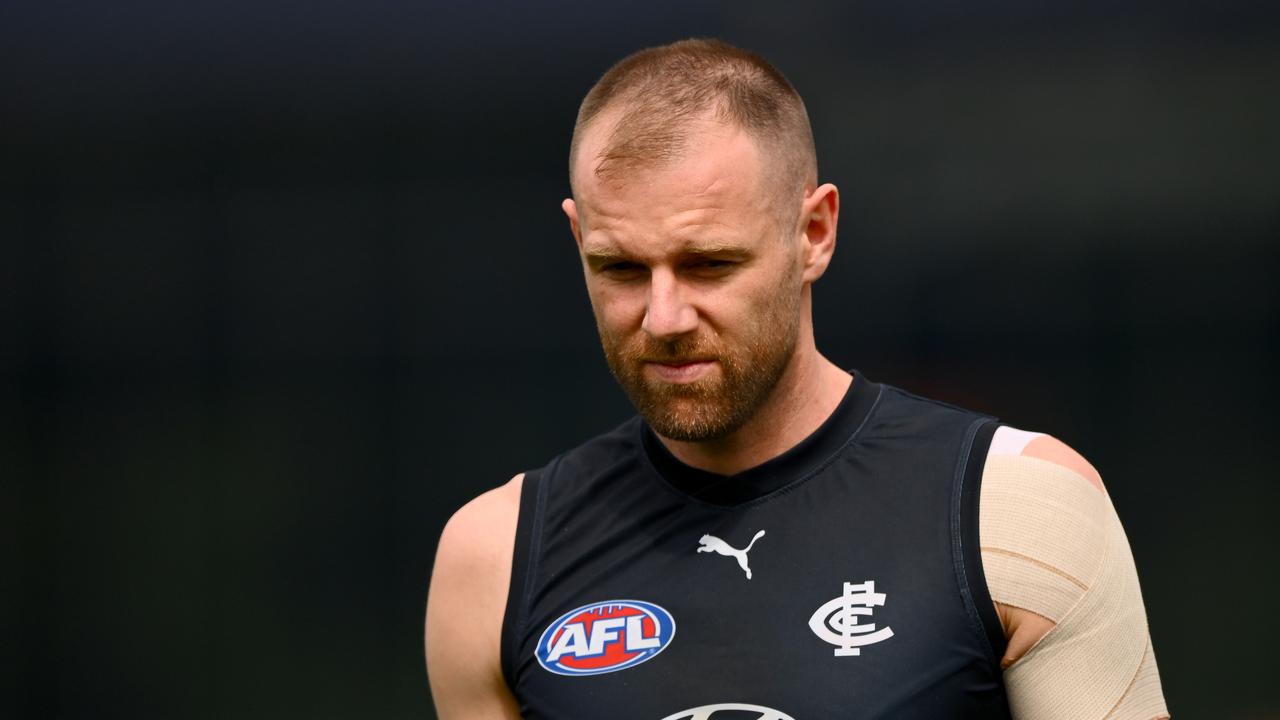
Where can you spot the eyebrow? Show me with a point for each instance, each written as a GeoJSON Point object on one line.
{"type": "Point", "coordinates": [603, 254]}
{"type": "Point", "coordinates": [599, 254]}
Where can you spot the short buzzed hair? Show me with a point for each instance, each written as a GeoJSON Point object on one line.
{"type": "Point", "coordinates": [663, 92]}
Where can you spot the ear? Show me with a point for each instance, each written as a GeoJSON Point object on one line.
{"type": "Point", "coordinates": [571, 210]}
{"type": "Point", "coordinates": [819, 213]}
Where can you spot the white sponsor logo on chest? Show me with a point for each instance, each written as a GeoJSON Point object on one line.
{"type": "Point", "coordinates": [711, 543]}
{"type": "Point", "coordinates": [709, 712]}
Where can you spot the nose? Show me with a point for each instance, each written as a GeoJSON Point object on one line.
{"type": "Point", "coordinates": [668, 314]}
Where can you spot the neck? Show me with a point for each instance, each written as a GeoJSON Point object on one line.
{"type": "Point", "coordinates": [807, 393]}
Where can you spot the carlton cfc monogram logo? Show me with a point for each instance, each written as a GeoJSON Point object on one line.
{"type": "Point", "coordinates": [837, 620]}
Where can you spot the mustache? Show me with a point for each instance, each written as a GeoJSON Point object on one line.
{"type": "Point", "coordinates": [670, 352]}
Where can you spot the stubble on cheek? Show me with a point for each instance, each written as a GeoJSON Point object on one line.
{"type": "Point", "coordinates": [713, 407]}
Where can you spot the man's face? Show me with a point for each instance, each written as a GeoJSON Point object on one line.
{"type": "Point", "coordinates": [695, 289]}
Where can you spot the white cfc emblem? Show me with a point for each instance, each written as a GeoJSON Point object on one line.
{"type": "Point", "coordinates": [837, 620]}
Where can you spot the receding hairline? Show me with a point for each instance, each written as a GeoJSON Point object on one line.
{"type": "Point", "coordinates": [654, 102]}
{"type": "Point", "coordinates": [684, 142]}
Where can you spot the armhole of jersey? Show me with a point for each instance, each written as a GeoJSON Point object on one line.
{"type": "Point", "coordinates": [524, 557]}
{"type": "Point", "coordinates": [968, 552]}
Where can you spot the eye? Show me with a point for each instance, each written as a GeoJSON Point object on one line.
{"type": "Point", "coordinates": [622, 269]}
{"type": "Point", "coordinates": [712, 267]}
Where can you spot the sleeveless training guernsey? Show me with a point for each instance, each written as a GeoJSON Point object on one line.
{"type": "Point", "coordinates": [840, 579]}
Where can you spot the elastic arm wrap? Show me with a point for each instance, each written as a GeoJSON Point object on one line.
{"type": "Point", "coordinates": [1052, 544]}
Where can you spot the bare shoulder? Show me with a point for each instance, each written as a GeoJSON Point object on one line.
{"type": "Point", "coordinates": [466, 603]}
{"type": "Point", "coordinates": [480, 528]}
{"type": "Point", "coordinates": [473, 560]}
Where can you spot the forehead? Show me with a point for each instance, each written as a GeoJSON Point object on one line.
{"type": "Point", "coordinates": [713, 190]}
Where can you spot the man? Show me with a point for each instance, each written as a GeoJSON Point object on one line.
{"type": "Point", "coordinates": [773, 537]}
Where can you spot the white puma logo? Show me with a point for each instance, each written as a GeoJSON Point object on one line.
{"type": "Point", "coordinates": [711, 543]}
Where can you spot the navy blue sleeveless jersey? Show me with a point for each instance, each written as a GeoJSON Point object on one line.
{"type": "Point", "coordinates": [841, 579]}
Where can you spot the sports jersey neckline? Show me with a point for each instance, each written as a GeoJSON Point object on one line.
{"type": "Point", "coordinates": [791, 466]}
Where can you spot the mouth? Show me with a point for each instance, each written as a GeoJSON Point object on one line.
{"type": "Point", "coordinates": [679, 371]}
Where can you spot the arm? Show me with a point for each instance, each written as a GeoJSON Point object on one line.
{"type": "Point", "coordinates": [1059, 569]}
{"type": "Point", "coordinates": [465, 608]}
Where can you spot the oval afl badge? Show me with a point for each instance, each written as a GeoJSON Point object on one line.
{"type": "Point", "coordinates": [605, 637]}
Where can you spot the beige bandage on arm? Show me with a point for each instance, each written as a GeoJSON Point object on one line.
{"type": "Point", "coordinates": [1053, 545]}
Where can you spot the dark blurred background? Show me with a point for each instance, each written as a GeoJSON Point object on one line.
{"type": "Point", "coordinates": [282, 284]}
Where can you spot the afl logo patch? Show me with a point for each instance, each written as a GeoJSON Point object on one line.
{"type": "Point", "coordinates": [605, 636]}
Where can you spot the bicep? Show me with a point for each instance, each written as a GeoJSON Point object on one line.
{"type": "Point", "coordinates": [465, 607]}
